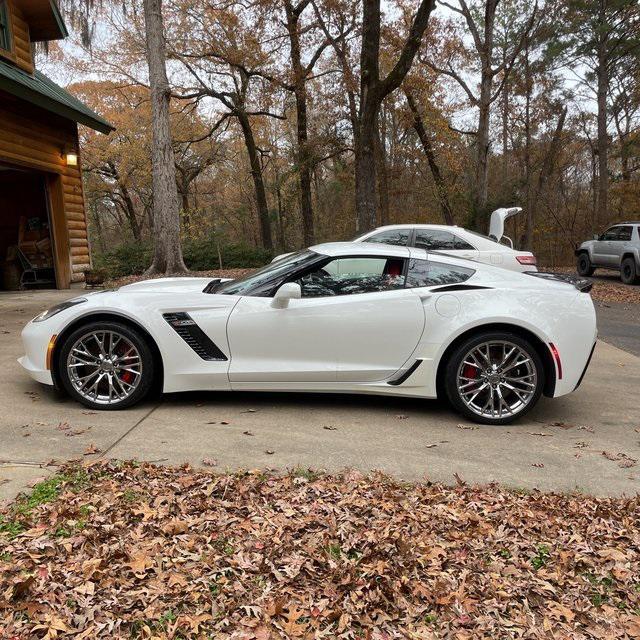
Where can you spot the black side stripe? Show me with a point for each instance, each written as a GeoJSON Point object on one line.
{"type": "Point", "coordinates": [460, 287]}
{"type": "Point", "coordinates": [406, 374]}
{"type": "Point", "coordinates": [185, 326]}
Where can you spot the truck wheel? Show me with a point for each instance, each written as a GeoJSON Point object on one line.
{"type": "Point", "coordinates": [584, 266]}
{"type": "Point", "coordinates": [628, 271]}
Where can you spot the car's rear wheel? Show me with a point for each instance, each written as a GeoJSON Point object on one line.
{"type": "Point", "coordinates": [584, 266]}
{"type": "Point", "coordinates": [628, 271]}
{"type": "Point", "coordinates": [106, 365]}
{"type": "Point", "coordinates": [494, 377]}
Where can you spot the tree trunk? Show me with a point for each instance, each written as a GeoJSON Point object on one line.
{"type": "Point", "coordinates": [167, 256]}
{"type": "Point", "coordinates": [303, 154]}
{"type": "Point", "coordinates": [603, 140]}
{"type": "Point", "coordinates": [373, 90]}
{"type": "Point", "coordinates": [98, 222]}
{"type": "Point", "coordinates": [258, 181]}
{"type": "Point", "coordinates": [365, 169]}
{"type": "Point", "coordinates": [383, 180]}
{"type": "Point", "coordinates": [527, 243]}
{"type": "Point", "coordinates": [441, 187]}
{"type": "Point", "coordinates": [130, 212]}
{"type": "Point", "coordinates": [481, 170]}
{"type": "Point", "coordinates": [304, 167]}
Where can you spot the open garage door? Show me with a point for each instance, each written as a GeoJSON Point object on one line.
{"type": "Point", "coordinates": [27, 249]}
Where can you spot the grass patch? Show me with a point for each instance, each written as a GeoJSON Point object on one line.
{"type": "Point", "coordinates": [18, 517]}
{"type": "Point", "coordinates": [541, 558]}
{"type": "Point", "coordinates": [307, 474]}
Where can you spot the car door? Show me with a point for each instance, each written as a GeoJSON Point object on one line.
{"type": "Point", "coordinates": [603, 248]}
{"type": "Point", "coordinates": [620, 243]}
{"type": "Point", "coordinates": [355, 322]}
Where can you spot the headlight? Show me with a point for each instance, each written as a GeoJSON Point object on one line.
{"type": "Point", "coordinates": [45, 315]}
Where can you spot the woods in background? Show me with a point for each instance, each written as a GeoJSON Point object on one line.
{"type": "Point", "coordinates": [297, 122]}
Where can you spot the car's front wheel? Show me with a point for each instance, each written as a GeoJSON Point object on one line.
{"type": "Point", "coordinates": [584, 266]}
{"type": "Point", "coordinates": [628, 272]}
{"type": "Point", "coordinates": [106, 365]}
{"type": "Point", "coordinates": [494, 377]}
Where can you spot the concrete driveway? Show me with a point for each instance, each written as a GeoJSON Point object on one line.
{"type": "Point", "coordinates": [588, 441]}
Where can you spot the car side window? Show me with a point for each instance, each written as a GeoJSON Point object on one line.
{"type": "Point", "coordinates": [624, 234]}
{"type": "Point", "coordinates": [347, 276]}
{"type": "Point", "coordinates": [434, 240]}
{"type": "Point", "coordinates": [425, 273]}
{"type": "Point", "coordinates": [462, 244]}
{"type": "Point", "coordinates": [610, 234]}
{"type": "Point", "coordinates": [397, 237]}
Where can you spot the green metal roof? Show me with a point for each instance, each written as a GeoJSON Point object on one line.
{"type": "Point", "coordinates": [43, 92]}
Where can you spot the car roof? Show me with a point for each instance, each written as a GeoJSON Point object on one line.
{"type": "Point", "coordinates": [415, 226]}
{"type": "Point", "coordinates": [617, 224]}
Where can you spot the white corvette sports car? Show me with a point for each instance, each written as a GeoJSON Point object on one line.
{"type": "Point", "coordinates": [340, 317]}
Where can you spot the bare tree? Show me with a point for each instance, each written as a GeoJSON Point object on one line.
{"type": "Point", "coordinates": [167, 256]}
{"type": "Point", "coordinates": [482, 30]}
{"type": "Point", "coordinates": [373, 91]}
{"type": "Point", "coordinates": [427, 146]}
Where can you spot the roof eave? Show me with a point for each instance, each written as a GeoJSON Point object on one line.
{"type": "Point", "coordinates": [34, 97]}
{"type": "Point", "coordinates": [46, 23]}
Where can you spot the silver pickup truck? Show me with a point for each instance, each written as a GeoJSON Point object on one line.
{"type": "Point", "coordinates": [617, 248]}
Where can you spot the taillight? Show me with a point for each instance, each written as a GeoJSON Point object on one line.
{"type": "Point", "coordinates": [527, 259]}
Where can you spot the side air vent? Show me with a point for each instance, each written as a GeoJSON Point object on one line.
{"type": "Point", "coordinates": [406, 375]}
{"type": "Point", "coordinates": [185, 326]}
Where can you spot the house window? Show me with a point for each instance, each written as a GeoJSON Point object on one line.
{"type": "Point", "coordinates": [5, 28]}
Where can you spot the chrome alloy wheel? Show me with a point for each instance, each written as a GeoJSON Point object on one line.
{"type": "Point", "coordinates": [497, 379]}
{"type": "Point", "coordinates": [104, 367]}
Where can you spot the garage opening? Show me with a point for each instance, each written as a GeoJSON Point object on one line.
{"type": "Point", "coordinates": [26, 245]}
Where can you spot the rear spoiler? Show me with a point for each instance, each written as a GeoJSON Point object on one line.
{"type": "Point", "coordinates": [581, 284]}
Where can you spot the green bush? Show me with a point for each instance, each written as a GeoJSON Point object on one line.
{"type": "Point", "coordinates": [202, 255]}
{"type": "Point", "coordinates": [128, 258]}
{"type": "Point", "coordinates": [132, 258]}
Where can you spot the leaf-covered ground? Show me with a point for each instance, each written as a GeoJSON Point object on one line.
{"type": "Point", "coordinates": [214, 273]}
{"type": "Point", "coordinates": [128, 550]}
{"type": "Point", "coordinates": [610, 289]}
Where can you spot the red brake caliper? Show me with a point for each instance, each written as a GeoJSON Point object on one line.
{"type": "Point", "coordinates": [125, 376]}
{"type": "Point", "coordinates": [469, 371]}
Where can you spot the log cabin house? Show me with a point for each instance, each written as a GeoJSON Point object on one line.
{"type": "Point", "coordinates": [43, 226]}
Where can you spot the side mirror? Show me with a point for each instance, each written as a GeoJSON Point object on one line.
{"type": "Point", "coordinates": [286, 292]}
{"type": "Point", "coordinates": [596, 236]}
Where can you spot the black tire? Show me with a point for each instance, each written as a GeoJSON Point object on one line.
{"type": "Point", "coordinates": [147, 368]}
{"type": "Point", "coordinates": [628, 271]}
{"type": "Point", "coordinates": [455, 362]}
{"type": "Point", "coordinates": [584, 266]}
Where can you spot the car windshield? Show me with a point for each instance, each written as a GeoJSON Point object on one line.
{"type": "Point", "coordinates": [271, 272]}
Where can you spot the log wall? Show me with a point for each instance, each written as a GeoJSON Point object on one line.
{"type": "Point", "coordinates": [20, 53]}
{"type": "Point", "coordinates": [37, 139]}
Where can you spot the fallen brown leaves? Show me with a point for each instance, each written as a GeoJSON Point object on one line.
{"type": "Point", "coordinates": [609, 290]}
{"type": "Point", "coordinates": [174, 553]}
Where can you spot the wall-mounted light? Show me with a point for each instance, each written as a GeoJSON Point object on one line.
{"type": "Point", "coordinates": [71, 159]}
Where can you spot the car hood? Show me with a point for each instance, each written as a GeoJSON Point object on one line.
{"type": "Point", "coordinates": [168, 285]}
{"type": "Point", "coordinates": [498, 218]}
